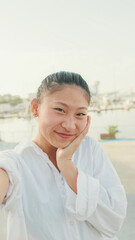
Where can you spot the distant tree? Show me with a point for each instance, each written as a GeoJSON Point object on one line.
{"type": "Point", "coordinates": [11, 101]}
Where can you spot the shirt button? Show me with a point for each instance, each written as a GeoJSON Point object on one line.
{"type": "Point", "coordinates": [62, 181]}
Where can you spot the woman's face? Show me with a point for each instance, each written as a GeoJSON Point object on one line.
{"type": "Point", "coordinates": [62, 116]}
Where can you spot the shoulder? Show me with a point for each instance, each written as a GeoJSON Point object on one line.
{"type": "Point", "coordinates": [15, 159]}
{"type": "Point", "coordinates": [90, 143]}
{"type": "Point", "coordinates": [7, 154]}
{"type": "Point", "coordinates": [8, 160]}
{"type": "Point", "coordinates": [23, 147]}
{"type": "Point", "coordinates": [13, 156]}
{"type": "Point", "coordinates": [88, 148]}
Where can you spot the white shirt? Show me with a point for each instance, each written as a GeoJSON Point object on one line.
{"type": "Point", "coordinates": [41, 206]}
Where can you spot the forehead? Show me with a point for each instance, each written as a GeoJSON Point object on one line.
{"type": "Point", "coordinates": [69, 93]}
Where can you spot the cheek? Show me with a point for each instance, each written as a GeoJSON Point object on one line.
{"type": "Point", "coordinates": [48, 121]}
{"type": "Point", "coordinates": [82, 124]}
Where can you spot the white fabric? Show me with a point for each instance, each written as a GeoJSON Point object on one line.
{"type": "Point", "coordinates": [41, 206]}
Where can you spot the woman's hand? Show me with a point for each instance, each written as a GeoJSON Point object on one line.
{"type": "Point", "coordinates": [64, 159]}
{"type": "Point", "coordinates": [66, 154]}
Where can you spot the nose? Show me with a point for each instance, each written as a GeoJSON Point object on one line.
{"type": "Point", "coordinates": [69, 123]}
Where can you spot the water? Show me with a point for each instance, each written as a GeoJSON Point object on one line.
{"type": "Point", "coordinates": [14, 130]}
{"type": "Point", "coordinates": [125, 120]}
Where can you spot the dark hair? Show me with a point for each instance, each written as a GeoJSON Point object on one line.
{"type": "Point", "coordinates": [55, 81]}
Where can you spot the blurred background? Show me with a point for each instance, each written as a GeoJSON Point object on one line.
{"type": "Point", "coordinates": [93, 38]}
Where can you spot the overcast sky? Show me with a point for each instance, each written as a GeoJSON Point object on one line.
{"type": "Point", "coordinates": [95, 38]}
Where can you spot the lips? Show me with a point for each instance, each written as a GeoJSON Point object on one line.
{"type": "Point", "coordinates": [64, 135]}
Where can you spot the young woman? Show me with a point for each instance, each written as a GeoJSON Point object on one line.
{"type": "Point", "coordinates": [61, 185]}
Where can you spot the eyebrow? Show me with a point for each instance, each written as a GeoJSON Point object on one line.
{"type": "Point", "coordinates": [64, 104]}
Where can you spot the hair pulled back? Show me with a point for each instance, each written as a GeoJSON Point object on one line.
{"type": "Point", "coordinates": [55, 81]}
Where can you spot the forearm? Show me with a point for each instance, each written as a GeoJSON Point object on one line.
{"type": "Point", "coordinates": [105, 209]}
{"type": "Point", "coordinates": [70, 173]}
{"type": "Point", "coordinates": [4, 184]}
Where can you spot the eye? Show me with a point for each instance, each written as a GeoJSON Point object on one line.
{"type": "Point", "coordinates": [81, 114]}
{"type": "Point", "coordinates": [59, 109]}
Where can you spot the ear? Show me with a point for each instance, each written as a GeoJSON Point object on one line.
{"type": "Point", "coordinates": [34, 107]}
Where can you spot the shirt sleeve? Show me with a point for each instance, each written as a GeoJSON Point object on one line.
{"type": "Point", "coordinates": [9, 164]}
{"type": "Point", "coordinates": [100, 199]}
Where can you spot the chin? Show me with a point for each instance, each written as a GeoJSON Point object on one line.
{"type": "Point", "coordinates": [62, 145]}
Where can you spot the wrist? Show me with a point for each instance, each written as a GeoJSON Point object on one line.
{"type": "Point", "coordinates": [64, 164]}
{"type": "Point", "coordinates": [70, 173]}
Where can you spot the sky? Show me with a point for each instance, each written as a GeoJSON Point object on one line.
{"type": "Point", "coordinates": [93, 38]}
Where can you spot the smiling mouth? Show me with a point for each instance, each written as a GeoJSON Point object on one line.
{"type": "Point", "coordinates": [64, 135]}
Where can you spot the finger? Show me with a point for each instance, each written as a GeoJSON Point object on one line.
{"type": "Point", "coordinates": [71, 148]}
{"type": "Point", "coordinates": [84, 132]}
{"type": "Point", "coordinates": [88, 122]}
{"type": "Point", "coordinates": [76, 142]}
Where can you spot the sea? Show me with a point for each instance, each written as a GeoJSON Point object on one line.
{"type": "Point", "coordinates": [14, 130]}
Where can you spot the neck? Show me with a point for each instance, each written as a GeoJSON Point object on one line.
{"type": "Point", "coordinates": [47, 148]}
